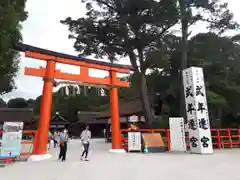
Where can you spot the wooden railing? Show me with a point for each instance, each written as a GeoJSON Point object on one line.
{"type": "Point", "coordinates": [221, 138]}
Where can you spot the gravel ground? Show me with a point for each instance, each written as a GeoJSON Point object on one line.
{"type": "Point", "coordinates": [222, 165]}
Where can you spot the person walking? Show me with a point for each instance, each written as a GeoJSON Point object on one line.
{"type": "Point", "coordinates": [55, 139]}
{"type": "Point", "coordinates": [105, 134]}
{"type": "Point", "coordinates": [63, 145]}
{"type": "Point", "coordinates": [85, 138]}
{"type": "Point", "coordinates": [50, 137]}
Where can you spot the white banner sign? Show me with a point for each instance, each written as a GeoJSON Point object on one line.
{"type": "Point", "coordinates": [177, 134]}
{"type": "Point", "coordinates": [11, 139]}
{"type": "Point", "coordinates": [134, 141]}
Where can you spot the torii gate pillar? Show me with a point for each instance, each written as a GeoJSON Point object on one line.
{"type": "Point", "coordinates": [45, 110]}
{"type": "Point", "coordinates": [116, 132]}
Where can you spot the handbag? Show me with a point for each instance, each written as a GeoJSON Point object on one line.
{"type": "Point", "coordinates": [62, 142]}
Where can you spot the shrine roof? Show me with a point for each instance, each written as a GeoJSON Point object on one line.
{"type": "Point", "coordinates": [58, 119]}
{"type": "Point", "coordinates": [127, 107]}
{"type": "Point", "coordinates": [16, 115]}
{"type": "Point", "coordinates": [87, 117]}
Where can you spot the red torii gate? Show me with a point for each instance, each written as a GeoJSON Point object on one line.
{"type": "Point", "coordinates": [50, 73]}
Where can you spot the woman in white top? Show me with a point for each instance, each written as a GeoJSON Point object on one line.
{"type": "Point", "coordinates": [85, 138]}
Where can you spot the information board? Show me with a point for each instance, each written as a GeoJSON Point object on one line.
{"type": "Point", "coordinates": [134, 141]}
{"type": "Point", "coordinates": [177, 134]}
{"type": "Point", "coordinates": [11, 139]}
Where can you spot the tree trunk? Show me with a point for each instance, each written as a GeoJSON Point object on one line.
{"type": "Point", "coordinates": [142, 82]}
{"type": "Point", "coordinates": [145, 100]}
{"type": "Point", "coordinates": [184, 24]}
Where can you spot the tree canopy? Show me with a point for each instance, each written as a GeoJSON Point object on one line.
{"type": "Point", "coordinates": [140, 31]}
{"type": "Point", "coordinates": [219, 58]}
{"type": "Point", "coordinates": [118, 29]}
{"type": "Point", "coordinates": [12, 13]}
{"type": "Point", "coordinates": [17, 103]}
{"type": "Point", "coordinates": [3, 104]}
{"type": "Point", "coordinates": [217, 55]}
{"type": "Point", "coordinates": [218, 18]}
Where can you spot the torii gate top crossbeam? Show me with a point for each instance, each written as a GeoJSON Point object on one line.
{"type": "Point", "coordinates": [85, 64]}
{"type": "Point", "coordinates": [44, 54]}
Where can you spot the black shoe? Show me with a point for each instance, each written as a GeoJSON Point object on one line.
{"type": "Point", "coordinates": [86, 159]}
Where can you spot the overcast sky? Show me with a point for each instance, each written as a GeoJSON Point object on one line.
{"type": "Point", "coordinates": [42, 29]}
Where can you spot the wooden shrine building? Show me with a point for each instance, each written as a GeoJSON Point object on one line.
{"type": "Point", "coordinates": [130, 110]}
{"type": "Point", "coordinates": [24, 115]}
{"type": "Point", "coordinates": [58, 123]}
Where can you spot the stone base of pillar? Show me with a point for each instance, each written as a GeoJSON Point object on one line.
{"type": "Point", "coordinates": [39, 157]}
{"type": "Point", "coordinates": [116, 151]}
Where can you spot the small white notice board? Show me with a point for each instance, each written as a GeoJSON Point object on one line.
{"type": "Point", "coordinates": [177, 134]}
{"type": "Point", "coordinates": [134, 141]}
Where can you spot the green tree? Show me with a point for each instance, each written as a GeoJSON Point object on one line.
{"type": "Point", "coordinates": [37, 105]}
{"type": "Point", "coordinates": [12, 13]}
{"type": "Point", "coordinates": [69, 105]}
{"type": "Point", "coordinates": [215, 13]}
{"type": "Point", "coordinates": [3, 104]}
{"type": "Point", "coordinates": [31, 103]}
{"type": "Point", "coordinates": [17, 103]}
{"type": "Point", "coordinates": [116, 29]}
{"type": "Point", "coordinates": [219, 58]}
{"type": "Point", "coordinates": [217, 55]}
{"type": "Point", "coordinates": [221, 68]}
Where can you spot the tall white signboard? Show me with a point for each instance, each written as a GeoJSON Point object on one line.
{"type": "Point", "coordinates": [197, 111]}
{"type": "Point", "coordinates": [177, 134]}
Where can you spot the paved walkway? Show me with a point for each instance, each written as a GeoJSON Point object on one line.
{"type": "Point", "coordinates": [223, 165]}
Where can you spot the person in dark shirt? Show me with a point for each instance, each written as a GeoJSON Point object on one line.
{"type": "Point", "coordinates": [63, 145]}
